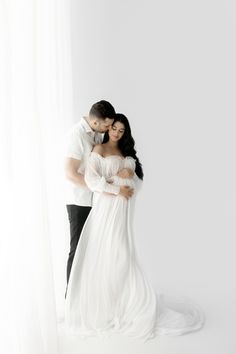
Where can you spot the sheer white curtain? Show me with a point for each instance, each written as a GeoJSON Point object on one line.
{"type": "Point", "coordinates": [35, 108]}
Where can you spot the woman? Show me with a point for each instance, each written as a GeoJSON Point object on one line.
{"type": "Point", "coordinates": [108, 291]}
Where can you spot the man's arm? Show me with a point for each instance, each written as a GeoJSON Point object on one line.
{"type": "Point", "coordinates": [71, 169]}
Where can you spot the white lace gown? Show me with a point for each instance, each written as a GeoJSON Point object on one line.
{"type": "Point", "coordinates": [107, 290]}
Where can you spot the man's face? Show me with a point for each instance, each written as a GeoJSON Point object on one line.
{"type": "Point", "coordinates": [104, 124]}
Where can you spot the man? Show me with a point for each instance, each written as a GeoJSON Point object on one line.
{"type": "Point", "coordinates": [82, 137]}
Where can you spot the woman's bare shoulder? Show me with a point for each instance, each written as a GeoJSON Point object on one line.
{"type": "Point", "coordinates": [99, 149]}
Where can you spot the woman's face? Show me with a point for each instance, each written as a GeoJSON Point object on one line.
{"type": "Point", "coordinates": [116, 131]}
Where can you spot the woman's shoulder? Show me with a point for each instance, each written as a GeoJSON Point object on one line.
{"type": "Point", "coordinates": [99, 149]}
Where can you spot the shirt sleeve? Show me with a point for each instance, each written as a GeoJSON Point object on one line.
{"type": "Point", "coordinates": [74, 146]}
{"type": "Point", "coordinates": [94, 179]}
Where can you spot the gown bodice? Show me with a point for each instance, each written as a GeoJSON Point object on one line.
{"type": "Point", "coordinates": [106, 168]}
{"type": "Point", "coordinates": [111, 164]}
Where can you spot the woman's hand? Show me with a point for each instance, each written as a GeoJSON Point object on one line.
{"type": "Point", "coordinates": [125, 173]}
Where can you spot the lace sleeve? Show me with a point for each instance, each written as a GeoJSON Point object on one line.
{"type": "Point", "coordinates": [94, 179]}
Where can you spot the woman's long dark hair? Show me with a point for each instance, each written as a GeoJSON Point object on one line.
{"type": "Point", "coordinates": [126, 143]}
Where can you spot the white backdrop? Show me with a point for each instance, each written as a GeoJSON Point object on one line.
{"type": "Point", "coordinates": [170, 67]}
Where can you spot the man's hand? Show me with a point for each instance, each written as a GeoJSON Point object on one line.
{"type": "Point", "coordinates": [126, 191]}
{"type": "Point", "coordinates": [125, 173]}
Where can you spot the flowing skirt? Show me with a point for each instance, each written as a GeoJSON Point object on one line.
{"type": "Point", "coordinates": [108, 292]}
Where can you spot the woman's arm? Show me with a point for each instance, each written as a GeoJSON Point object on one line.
{"type": "Point", "coordinates": [96, 182]}
{"type": "Point", "coordinates": [94, 179]}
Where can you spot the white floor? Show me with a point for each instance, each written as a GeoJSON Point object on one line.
{"type": "Point", "coordinates": [217, 337]}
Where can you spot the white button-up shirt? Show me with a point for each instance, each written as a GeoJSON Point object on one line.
{"type": "Point", "coordinates": [80, 141]}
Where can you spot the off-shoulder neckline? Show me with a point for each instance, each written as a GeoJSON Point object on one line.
{"type": "Point", "coordinates": [104, 157]}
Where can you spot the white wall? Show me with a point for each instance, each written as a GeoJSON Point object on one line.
{"type": "Point", "coordinates": [170, 67]}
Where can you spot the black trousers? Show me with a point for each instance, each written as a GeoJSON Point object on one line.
{"type": "Point", "coordinates": [77, 217]}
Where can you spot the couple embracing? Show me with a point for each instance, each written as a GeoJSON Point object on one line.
{"type": "Point", "coordinates": [107, 291]}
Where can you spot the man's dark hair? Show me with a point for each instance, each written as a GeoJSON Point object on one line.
{"type": "Point", "coordinates": [103, 109]}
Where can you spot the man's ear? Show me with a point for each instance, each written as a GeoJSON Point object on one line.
{"type": "Point", "coordinates": [96, 121]}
